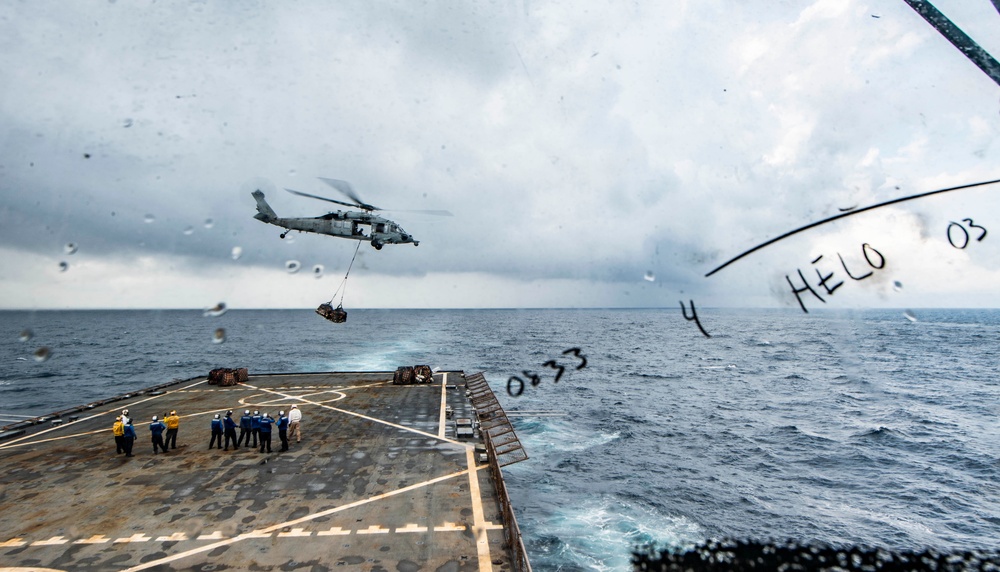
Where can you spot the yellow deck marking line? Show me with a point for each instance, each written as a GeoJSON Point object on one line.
{"type": "Point", "coordinates": [334, 531]}
{"type": "Point", "coordinates": [266, 532]}
{"type": "Point", "coordinates": [478, 521]}
{"type": "Point", "coordinates": [376, 420]}
{"type": "Point", "coordinates": [444, 401]}
{"type": "Point", "coordinates": [124, 406]}
{"type": "Point", "coordinates": [13, 543]}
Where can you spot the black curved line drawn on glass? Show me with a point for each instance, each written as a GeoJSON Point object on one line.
{"type": "Point", "coordinates": [694, 317]}
{"type": "Point", "coordinates": [847, 214]}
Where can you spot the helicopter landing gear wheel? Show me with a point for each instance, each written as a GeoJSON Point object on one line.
{"type": "Point", "coordinates": [282, 235]}
{"type": "Point", "coordinates": [377, 244]}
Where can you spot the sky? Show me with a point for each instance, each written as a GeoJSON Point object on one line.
{"type": "Point", "coordinates": [594, 154]}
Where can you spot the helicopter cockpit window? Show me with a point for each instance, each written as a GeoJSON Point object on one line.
{"type": "Point", "coordinates": [731, 267]}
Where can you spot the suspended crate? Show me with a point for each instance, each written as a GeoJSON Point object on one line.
{"type": "Point", "coordinates": [337, 315]}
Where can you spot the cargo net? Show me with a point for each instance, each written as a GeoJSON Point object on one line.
{"type": "Point", "coordinates": [493, 421]}
{"type": "Point", "coordinates": [226, 376]}
{"type": "Point", "coordinates": [741, 555]}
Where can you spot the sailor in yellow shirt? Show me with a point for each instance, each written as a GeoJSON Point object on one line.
{"type": "Point", "coordinates": [119, 430]}
{"type": "Point", "coordinates": [173, 422]}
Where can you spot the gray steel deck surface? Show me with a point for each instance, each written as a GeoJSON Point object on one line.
{"type": "Point", "coordinates": [379, 482]}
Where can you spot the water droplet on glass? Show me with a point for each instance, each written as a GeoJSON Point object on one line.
{"type": "Point", "coordinates": [26, 335]}
{"type": "Point", "coordinates": [291, 172]}
{"type": "Point", "coordinates": [909, 316]}
{"type": "Point", "coordinates": [216, 311]}
{"type": "Point", "coordinates": [318, 271]}
{"type": "Point", "coordinates": [292, 266]}
{"type": "Point", "coordinates": [127, 122]}
{"type": "Point", "coordinates": [897, 286]}
{"type": "Point", "coordinates": [63, 266]}
{"type": "Point", "coordinates": [70, 248]}
{"type": "Point", "coordinates": [189, 230]}
{"type": "Point", "coordinates": [649, 277]}
{"type": "Point", "coordinates": [290, 239]}
{"type": "Point", "coordinates": [150, 219]}
{"type": "Point", "coordinates": [209, 223]}
{"type": "Point", "coordinates": [42, 354]}
{"type": "Point", "coordinates": [237, 252]}
{"type": "Point", "coordinates": [219, 336]}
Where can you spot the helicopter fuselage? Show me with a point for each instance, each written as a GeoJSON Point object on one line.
{"type": "Point", "coordinates": [355, 225]}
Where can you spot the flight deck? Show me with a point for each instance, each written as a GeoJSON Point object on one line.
{"type": "Point", "coordinates": [386, 477]}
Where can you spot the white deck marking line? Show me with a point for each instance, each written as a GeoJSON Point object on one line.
{"type": "Point", "coordinates": [411, 528]}
{"type": "Point", "coordinates": [444, 401]}
{"type": "Point", "coordinates": [334, 531]}
{"type": "Point", "coordinates": [265, 532]}
{"type": "Point", "coordinates": [217, 535]}
{"type": "Point", "coordinates": [55, 540]}
{"type": "Point", "coordinates": [134, 538]}
{"type": "Point", "coordinates": [13, 543]}
{"type": "Point", "coordinates": [374, 529]}
{"type": "Point", "coordinates": [96, 539]}
{"type": "Point", "coordinates": [124, 406]}
{"type": "Point", "coordinates": [382, 421]}
{"type": "Point", "coordinates": [478, 520]}
{"type": "Point", "coordinates": [295, 532]}
{"type": "Point", "coordinates": [175, 537]}
{"type": "Point", "coordinates": [99, 431]}
{"type": "Point", "coordinates": [449, 527]}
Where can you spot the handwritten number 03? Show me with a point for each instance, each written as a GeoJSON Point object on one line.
{"type": "Point", "coordinates": [965, 233]}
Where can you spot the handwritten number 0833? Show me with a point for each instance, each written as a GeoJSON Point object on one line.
{"type": "Point", "coordinates": [963, 237]}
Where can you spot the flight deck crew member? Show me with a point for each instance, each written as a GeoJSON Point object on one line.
{"type": "Point", "coordinates": [119, 431]}
{"type": "Point", "coordinates": [255, 426]}
{"type": "Point", "coordinates": [156, 429]}
{"type": "Point", "coordinates": [244, 429]}
{"type": "Point", "coordinates": [173, 423]}
{"type": "Point", "coordinates": [216, 432]}
{"type": "Point", "coordinates": [265, 432]}
{"type": "Point", "coordinates": [128, 438]}
{"type": "Point", "coordinates": [294, 418]}
{"type": "Point", "coordinates": [125, 418]}
{"type": "Point", "coordinates": [283, 430]}
{"type": "Point", "coordinates": [230, 426]}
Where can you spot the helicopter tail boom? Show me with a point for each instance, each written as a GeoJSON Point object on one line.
{"type": "Point", "coordinates": [264, 210]}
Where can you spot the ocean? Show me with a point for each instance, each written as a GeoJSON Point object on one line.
{"type": "Point", "coordinates": [873, 428]}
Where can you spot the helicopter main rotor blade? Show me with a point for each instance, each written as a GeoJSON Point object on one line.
{"type": "Point", "coordinates": [345, 187]}
{"type": "Point", "coordinates": [421, 211]}
{"type": "Point", "coordinates": [300, 193]}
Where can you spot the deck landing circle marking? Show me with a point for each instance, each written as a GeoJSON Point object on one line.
{"type": "Point", "coordinates": [291, 399]}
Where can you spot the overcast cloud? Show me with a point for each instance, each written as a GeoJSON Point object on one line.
{"type": "Point", "coordinates": [579, 146]}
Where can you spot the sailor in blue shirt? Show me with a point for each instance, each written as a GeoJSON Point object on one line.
{"type": "Point", "coordinates": [216, 432]}
{"type": "Point", "coordinates": [265, 433]}
{"type": "Point", "coordinates": [156, 428]}
{"type": "Point", "coordinates": [129, 438]}
{"type": "Point", "coordinates": [255, 426]}
{"type": "Point", "coordinates": [283, 430]}
{"type": "Point", "coordinates": [244, 429]}
{"type": "Point", "coordinates": [230, 427]}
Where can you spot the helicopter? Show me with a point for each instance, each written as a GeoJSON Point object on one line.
{"type": "Point", "coordinates": [356, 225]}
